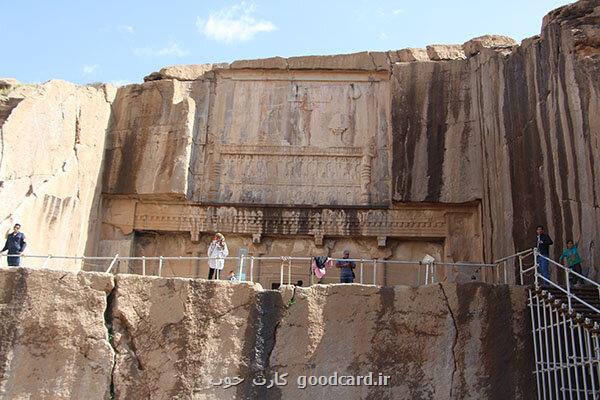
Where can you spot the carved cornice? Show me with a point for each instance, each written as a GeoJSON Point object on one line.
{"type": "Point", "coordinates": [291, 221]}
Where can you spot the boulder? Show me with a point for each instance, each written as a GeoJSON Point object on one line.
{"type": "Point", "coordinates": [190, 72]}
{"type": "Point", "coordinates": [7, 83]}
{"type": "Point", "coordinates": [475, 45]}
{"type": "Point", "coordinates": [440, 52]}
{"type": "Point", "coordinates": [408, 55]}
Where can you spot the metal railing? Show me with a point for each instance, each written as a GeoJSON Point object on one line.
{"type": "Point", "coordinates": [565, 334]}
{"type": "Point", "coordinates": [283, 269]}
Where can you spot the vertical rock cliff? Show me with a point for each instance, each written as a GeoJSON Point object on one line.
{"type": "Point", "coordinates": [182, 338]}
{"type": "Point", "coordinates": [52, 140]}
{"type": "Point", "coordinates": [514, 126]}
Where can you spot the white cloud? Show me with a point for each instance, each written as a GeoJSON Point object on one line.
{"type": "Point", "coordinates": [390, 13]}
{"type": "Point", "coordinates": [125, 28]}
{"type": "Point", "coordinates": [90, 69]}
{"type": "Point", "coordinates": [172, 49]}
{"type": "Point", "coordinates": [383, 36]}
{"type": "Point", "coordinates": [233, 24]}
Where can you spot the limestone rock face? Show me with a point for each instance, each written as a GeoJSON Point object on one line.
{"type": "Point", "coordinates": [150, 140]}
{"type": "Point", "coordinates": [263, 63]}
{"type": "Point", "coordinates": [184, 72]}
{"type": "Point", "coordinates": [178, 338]}
{"type": "Point", "coordinates": [408, 55]}
{"type": "Point", "coordinates": [435, 342]}
{"type": "Point", "coordinates": [438, 52]}
{"type": "Point", "coordinates": [53, 341]}
{"type": "Point", "coordinates": [475, 45]}
{"type": "Point", "coordinates": [173, 335]}
{"type": "Point", "coordinates": [6, 83]}
{"type": "Point", "coordinates": [517, 130]}
{"type": "Point", "coordinates": [52, 147]}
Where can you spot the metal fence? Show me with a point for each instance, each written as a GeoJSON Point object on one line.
{"type": "Point", "coordinates": [565, 319]}
{"type": "Point", "coordinates": [274, 271]}
{"type": "Point", "coordinates": [565, 330]}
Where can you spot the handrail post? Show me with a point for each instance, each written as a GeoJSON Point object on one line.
{"type": "Point", "coordinates": [433, 271]}
{"type": "Point", "coordinates": [281, 272]}
{"type": "Point", "coordinates": [143, 265]}
{"type": "Point", "coordinates": [289, 271]}
{"type": "Point", "coordinates": [251, 269]}
{"type": "Point", "coordinates": [160, 265]}
{"type": "Point", "coordinates": [426, 273]}
{"type": "Point", "coordinates": [504, 268]}
{"type": "Point", "coordinates": [112, 263]}
{"type": "Point", "coordinates": [241, 268]}
{"type": "Point", "coordinates": [521, 269]}
{"type": "Point", "coordinates": [46, 262]}
{"type": "Point", "coordinates": [375, 272]}
{"type": "Point", "coordinates": [568, 283]}
{"type": "Point", "coordinates": [537, 267]}
{"type": "Point", "coordinates": [362, 262]}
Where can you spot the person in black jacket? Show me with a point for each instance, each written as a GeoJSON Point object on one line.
{"type": "Point", "coordinates": [543, 243]}
{"type": "Point", "coordinates": [15, 244]}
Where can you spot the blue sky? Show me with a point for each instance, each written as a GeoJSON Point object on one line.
{"type": "Point", "coordinates": [122, 41]}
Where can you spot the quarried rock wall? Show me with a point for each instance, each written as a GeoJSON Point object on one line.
{"type": "Point", "coordinates": [52, 140]}
{"type": "Point", "coordinates": [178, 338]}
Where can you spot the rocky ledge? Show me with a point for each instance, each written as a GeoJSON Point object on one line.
{"type": "Point", "coordinates": [87, 335]}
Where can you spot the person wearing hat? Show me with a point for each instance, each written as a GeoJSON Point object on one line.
{"type": "Point", "coordinates": [217, 251]}
{"type": "Point", "coordinates": [15, 244]}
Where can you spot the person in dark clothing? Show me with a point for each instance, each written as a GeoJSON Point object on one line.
{"type": "Point", "coordinates": [15, 245]}
{"type": "Point", "coordinates": [347, 269]}
{"type": "Point", "coordinates": [543, 243]}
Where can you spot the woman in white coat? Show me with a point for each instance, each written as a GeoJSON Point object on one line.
{"type": "Point", "coordinates": [217, 251]}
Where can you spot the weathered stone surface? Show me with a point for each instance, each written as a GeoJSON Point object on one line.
{"type": "Point", "coordinates": [439, 52]}
{"type": "Point", "coordinates": [7, 83]}
{"type": "Point", "coordinates": [365, 61]}
{"type": "Point", "coordinates": [52, 139]}
{"type": "Point", "coordinates": [53, 341]}
{"type": "Point", "coordinates": [512, 131]}
{"type": "Point", "coordinates": [475, 45]}
{"type": "Point", "coordinates": [362, 61]}
{"type": "Point", "coordinates": [150, 140]}
{"type": "Point", "coordinates": [531, 114]}
{"type": "Point", "coordinates": [172, 336]}
{"type": "Point", "coordinates": [184, 72]}
{"type": "Point", "coordinates": [263, 63]}
{"type": "Point", "coordinates": [408, 55]}
{"type": "Point", "coordinates": [435, 342]}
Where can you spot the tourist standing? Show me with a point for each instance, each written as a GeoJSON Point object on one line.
{"type": "Point", "coordinates": [217, 251]}
{"type": "Point", "coordinates": [543, 243]}
{"type": "Point", "coordinates": [15, 244]}
{"type": "Point", "coordinates": [571, 255]}
{"type": "Point", "coordinates": [347, 268]}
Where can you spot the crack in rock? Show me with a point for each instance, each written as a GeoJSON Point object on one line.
{"type": "Point", "coordinates": [455, 340]}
